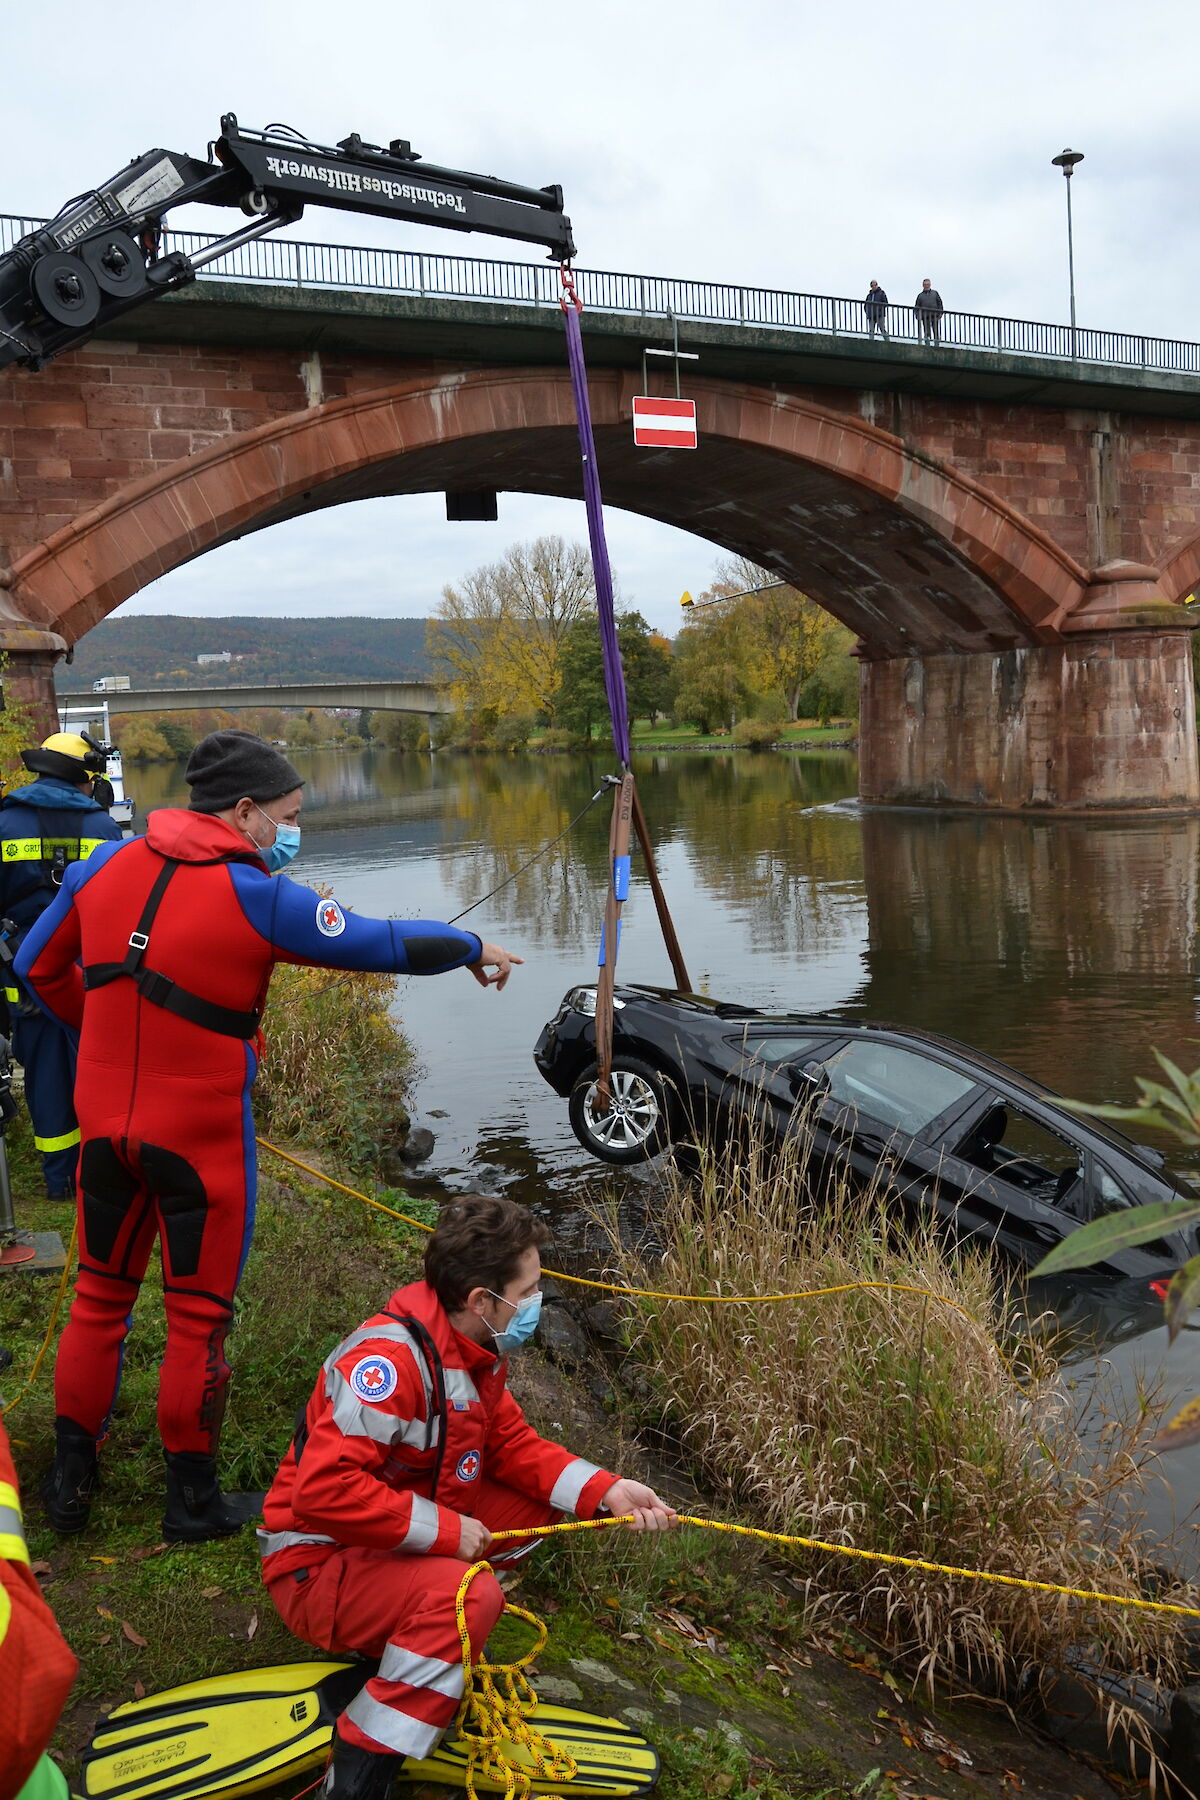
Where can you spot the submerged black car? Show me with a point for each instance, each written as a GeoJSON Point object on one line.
{"type": "Point", "coordinates": [992, 1151]}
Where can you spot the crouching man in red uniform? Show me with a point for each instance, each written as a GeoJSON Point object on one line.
{"type": "Point", "coordinates": [410, 1453]}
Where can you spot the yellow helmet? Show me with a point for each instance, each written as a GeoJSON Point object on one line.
{"type": "Point", "coordinates": [66, 755]}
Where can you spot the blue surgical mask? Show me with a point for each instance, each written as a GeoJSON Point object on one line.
{"type": "Point", "coordinates": [521, 1326]}
{"type": "Point", "coordinates": [287, 841]}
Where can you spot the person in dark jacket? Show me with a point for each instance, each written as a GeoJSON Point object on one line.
{"type": "Point", "coordinates": [929, 309]}
{"type": "Point", "coordinates": [45, 828]}
{"type": "Point", "coordinates": [159, 952]}
{"type": "Point", "coordinates": [875, 306]}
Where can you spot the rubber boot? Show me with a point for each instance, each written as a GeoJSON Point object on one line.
{"type": "Point", "coordinates": [73, 1478]}
{"type": "Point", "coordinates": [196, 1508]}
{"type": "Point", "coordinates": [355, 1774]}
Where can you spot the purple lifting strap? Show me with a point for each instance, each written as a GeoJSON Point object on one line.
{"type": "Point", "coordinates": [614, 675]}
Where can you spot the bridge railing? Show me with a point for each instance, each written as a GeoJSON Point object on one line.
{"type": "Point", "coordinates": [292, 263]}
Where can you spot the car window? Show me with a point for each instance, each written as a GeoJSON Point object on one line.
{"type": "Point", "coordinates": [786, 1048]}
{"type": "Point", "coordinates": [895, 1086]}
{"type": "Point", "coordinates": [1017, 1148]}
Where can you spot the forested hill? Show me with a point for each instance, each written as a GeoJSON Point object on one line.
{"type": "Point", "coordinates": [162, 652]}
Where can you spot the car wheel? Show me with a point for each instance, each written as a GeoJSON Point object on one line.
{"type": "Point", "coordinates": [638, 1124]}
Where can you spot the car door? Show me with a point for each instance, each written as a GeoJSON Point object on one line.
{"type": "Point", "coordinates": [887, 1107]}
{"type": "Point", "coordinates": [768, 1082]}
{"type": "Point", "coordinates": [1018, 1179]}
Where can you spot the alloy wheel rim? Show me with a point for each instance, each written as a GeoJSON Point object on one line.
{"type": "Point", "coordinates": [634, 1114]}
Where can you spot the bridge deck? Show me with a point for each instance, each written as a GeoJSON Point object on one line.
{"type": "Point", "coordinates": [375, 696]}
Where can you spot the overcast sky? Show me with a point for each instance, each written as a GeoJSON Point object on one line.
{"type": "Point", "coordinates": [774, 142]}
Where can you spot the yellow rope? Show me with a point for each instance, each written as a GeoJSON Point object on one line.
{"type": "Point", "coordinates": [609, 1287]}
{"type": "Point", "coordinates": [40, 1358]}
{"type": "Point", "coordinates": [497, 1704]}
{"type": "Point", "coordinates": [498, 1701]}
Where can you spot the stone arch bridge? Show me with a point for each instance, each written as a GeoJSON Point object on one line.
{"type": "Point", "coordinates": [1011, 537]}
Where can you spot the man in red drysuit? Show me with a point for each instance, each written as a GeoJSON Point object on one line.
{"type": "Point", "coordinates": [159, 952]}
{"type": "Point", "coordinates": [36, 1667]}
{"type": "Point", "coordinates": [410, 1453]}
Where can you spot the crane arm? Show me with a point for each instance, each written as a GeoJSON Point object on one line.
{"type": "Point", "coordinates": [101, 255]}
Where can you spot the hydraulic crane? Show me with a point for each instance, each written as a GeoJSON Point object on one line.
{"type": "Point", "coordinates": [101, 256]}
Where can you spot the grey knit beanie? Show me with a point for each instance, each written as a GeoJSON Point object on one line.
{"type": "Point", "coordinates": [228, 766]}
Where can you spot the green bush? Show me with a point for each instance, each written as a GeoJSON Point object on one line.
{"type": "Point", "coordinates": [757, 734]}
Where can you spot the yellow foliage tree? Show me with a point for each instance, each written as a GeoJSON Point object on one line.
{"type": "Point", "coordinates": [497, 639]}
{"type": "Point", "coordinates": [786, 637]}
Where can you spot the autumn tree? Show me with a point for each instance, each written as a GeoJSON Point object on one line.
{"type": "Point", "coordinates": [712, 671]}
{"type": "Point", "coordinates": [497, 639]}
{"type": "Point", "coordinates": [787, 636]}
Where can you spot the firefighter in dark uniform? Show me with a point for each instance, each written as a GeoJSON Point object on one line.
{"type": "Point", "coordinates": [45, 827]}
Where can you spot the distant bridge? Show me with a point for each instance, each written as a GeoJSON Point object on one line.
{"type": "Point", "coordinates": [374, 696]}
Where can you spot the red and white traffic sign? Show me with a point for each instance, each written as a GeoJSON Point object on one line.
{"type": "Point", "coordinates": [664, 424]}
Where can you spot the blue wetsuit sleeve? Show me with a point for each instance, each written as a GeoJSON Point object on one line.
{"type": "Point", "coordinates": [47, 961]}
{"type": "Point", "coordinates": [304, 928]}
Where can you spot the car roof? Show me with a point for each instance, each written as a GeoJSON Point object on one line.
{"type": "Point", "coordinates": [733, 1011]}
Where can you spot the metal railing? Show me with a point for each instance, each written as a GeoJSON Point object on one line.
{"type": "Point", "coordinates": [290, 263]}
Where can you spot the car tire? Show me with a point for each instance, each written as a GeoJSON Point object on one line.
{"type": "Point", "coordinates": [641, 1122]}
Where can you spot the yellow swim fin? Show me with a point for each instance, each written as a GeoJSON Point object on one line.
{"type": "Point", "coordinates": [238, 1734]}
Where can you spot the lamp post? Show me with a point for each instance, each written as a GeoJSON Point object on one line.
{"type": "Point", "coordinates": [686, 599]}
{"type": "Point", "coordinates": [1066, 162]}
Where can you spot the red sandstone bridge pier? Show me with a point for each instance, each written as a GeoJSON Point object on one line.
{"type": "Point", "coordinates": [1010, 529]}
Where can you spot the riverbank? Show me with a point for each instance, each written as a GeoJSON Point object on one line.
{"type": "Point", "coordinates": [708, 1647]}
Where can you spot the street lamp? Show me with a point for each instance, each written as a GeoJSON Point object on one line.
{"type": "Point", "coordinates": [686, 599]}
{"type": "Point", "coordinates": [1066, 162]}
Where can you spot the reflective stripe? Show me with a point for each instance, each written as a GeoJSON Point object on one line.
{"type": "Point", "coordinates": [362, 1418]}
{"type": "Point", "coordinates": [565, 1494]}
{"type": "Point", "coordinates": [12, 1531]}
{"type": "Point", "coordinates": [460, 1389]}
{"type": "Point", "coordinates": [12, 995]}
{"type": "Point", "coordinates": [5, 1612]}
{"type": "Point", "coordinates": [393, 1730]}
{"type": "Point", "coordinates": [46, 1145]}
{"type": "Point", "coordinates": [399, 1664]}
{"type": "Point", "coordinates": [425, 1521]}
{"type": "Point", "coordinates": [271, 1541]}
{"type": "Point", "coordinates": [42, 849]}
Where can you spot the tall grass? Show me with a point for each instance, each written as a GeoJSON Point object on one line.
{"type": "Point", "coordinates": [890, 1422]}
{"type": "Point", "coordinates": [336, 1064]}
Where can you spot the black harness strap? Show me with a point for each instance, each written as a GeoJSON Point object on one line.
{"type": "Point", "coordinates": [159, 989]}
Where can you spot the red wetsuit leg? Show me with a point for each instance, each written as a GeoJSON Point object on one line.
{"type": "Point", "coordinates": [117, 1227]}
{"type": "Point", "coordinates": [401, 1609]}
{"type": "Point", "coordinates": [202, 1174]}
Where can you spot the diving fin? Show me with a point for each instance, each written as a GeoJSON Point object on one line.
{"type": "Point", "coordinates": [238, 1734]}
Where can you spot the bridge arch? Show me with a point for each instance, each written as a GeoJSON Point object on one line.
{"type": "Point", "coordinates": [915, 556]}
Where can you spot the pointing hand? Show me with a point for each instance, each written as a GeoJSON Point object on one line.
{"type": "Point", "coordinates": [491, 956]}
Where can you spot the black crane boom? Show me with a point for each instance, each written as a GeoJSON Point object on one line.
{"type": "Point", "coordinates": [101, 255]}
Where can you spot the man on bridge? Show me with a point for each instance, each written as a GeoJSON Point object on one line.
{"type": "Point", "coordinates": [159, 952]}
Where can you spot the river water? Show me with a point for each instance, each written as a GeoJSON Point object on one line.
{"type": "Point", "coordinates": [1065, 947]}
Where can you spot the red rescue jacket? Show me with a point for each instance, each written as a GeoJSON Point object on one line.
{"type": "Point", "coordinates": [36, 1667]}
{"type": "Point", "coordinates": [405, 1417]}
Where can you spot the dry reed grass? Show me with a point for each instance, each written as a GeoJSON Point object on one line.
{"type": "Point", "coordinates": [892, 1423]}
